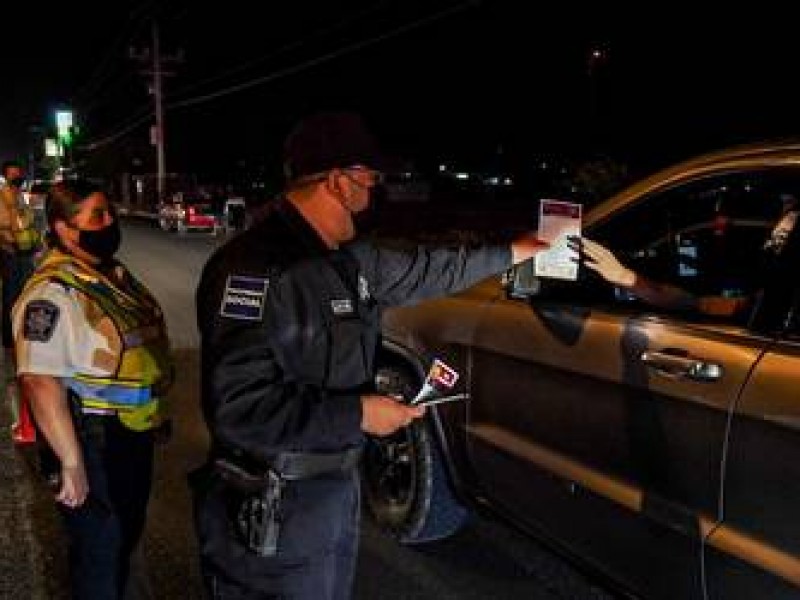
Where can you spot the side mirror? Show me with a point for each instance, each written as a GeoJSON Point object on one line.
{"type": "Point", "coordinates": [521, 282]}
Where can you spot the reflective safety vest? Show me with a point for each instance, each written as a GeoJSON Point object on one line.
{"type": "Point", "coordinates": [135, 392]}
{"type": "Point", "coordinates": [21, 222]}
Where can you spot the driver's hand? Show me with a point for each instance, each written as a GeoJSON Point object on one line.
{"type": "Point", "coordinates": [603, 262]}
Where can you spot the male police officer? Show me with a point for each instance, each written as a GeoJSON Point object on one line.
{"type": "Point", "coordinates": [289, 315]}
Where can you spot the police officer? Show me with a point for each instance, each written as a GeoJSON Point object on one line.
{"type": "Point", "coordinates": [289, 315]}
{"type": "Point", "coordinates": [93, 358]}
{"type": "Point", "coordinates": [19, 241]}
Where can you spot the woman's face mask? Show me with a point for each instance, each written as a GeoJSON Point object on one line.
{"type": "Point", "coordinates": [101, 243]}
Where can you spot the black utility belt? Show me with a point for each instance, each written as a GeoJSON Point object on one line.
{"type": "Point", "coordinates": [307, 465]}
{"type": "Point", "coordinates": [287, 466]}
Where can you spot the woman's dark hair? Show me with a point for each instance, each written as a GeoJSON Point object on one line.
{"type": "Point", "coordinates": [63, 201]}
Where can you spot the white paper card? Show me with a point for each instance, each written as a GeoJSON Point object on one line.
{"type": "Point", "coordinates": [557, 221]}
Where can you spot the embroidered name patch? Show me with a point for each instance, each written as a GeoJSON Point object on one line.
{"type": "Point", "coordinates": [40, 320]}
{"type": "Point", "coordinates": [244, 297]}
{"type": "Point", "coordinates": [342, 307]}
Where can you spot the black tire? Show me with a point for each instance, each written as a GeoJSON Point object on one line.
{"type": "Point", "coordinates": [405, 484]}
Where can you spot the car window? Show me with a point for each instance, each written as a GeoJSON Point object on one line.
{"type": "Point", "coordinates": [203, 209]}
{"type": "Point", "coordinates": [706, 237]}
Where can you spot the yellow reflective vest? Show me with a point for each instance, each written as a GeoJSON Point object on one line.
{"type": "Point", "coordinates": [17, 228]}
{"type": "Point", "coordinates": [136, 390]}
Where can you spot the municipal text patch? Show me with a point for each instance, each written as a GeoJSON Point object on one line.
{"type": "Point", "coordinates": [40, 320]}
{"type": "Point", "coordinates": [244, 297]}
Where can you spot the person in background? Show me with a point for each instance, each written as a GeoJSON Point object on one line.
{"type": "Point", "coordinates": [94, 359]}
{"type": "Point", "coordinates": [19, 242]}
{"type": "Point", "coordinates": [289, 315]}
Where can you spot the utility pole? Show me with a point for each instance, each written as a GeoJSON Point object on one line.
{"type": "Point", "coordinates": [156, 72]}
{"type": "Point", "coordinates": [159, 132]}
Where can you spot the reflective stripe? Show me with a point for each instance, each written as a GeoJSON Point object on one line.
{"type": "Point", "coordinates": [89, 410]}
{"type": "Point", "coordinates": [111, 395]}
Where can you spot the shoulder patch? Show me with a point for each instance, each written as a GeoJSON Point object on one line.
{"type": "Point", "coordinates": [243, 298]}
{"type": "Point", "coordinates": [39, 320]}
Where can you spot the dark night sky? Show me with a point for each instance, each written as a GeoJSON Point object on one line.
{"type": "Point", "coordinates": [480, 76]}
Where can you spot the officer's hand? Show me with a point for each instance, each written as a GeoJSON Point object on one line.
{"type": "Point", "coordinates": [74, 486]}
{"type": "Point", "coordinates": [383, 415]}
{"type": "Point", "coordinates": [526, 246]}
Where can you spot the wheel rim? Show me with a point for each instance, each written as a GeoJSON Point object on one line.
{"type": "Point", "coordinates": [390, 462]}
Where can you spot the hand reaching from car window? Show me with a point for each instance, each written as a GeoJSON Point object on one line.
{"type": "Point", "coordinates": [602, 261]}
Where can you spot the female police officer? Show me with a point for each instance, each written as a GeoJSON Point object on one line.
{"type": "Point", "coordinates": [93, 357]}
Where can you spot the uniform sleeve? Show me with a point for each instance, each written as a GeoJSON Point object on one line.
{"type": "Point", "coordinates": [402, 277]}
{"type": "Point", "coordinates": [43, 321]}
{"type": "Point", "coordinates": [263, 382]}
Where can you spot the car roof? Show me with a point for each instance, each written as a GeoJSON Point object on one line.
{"type": "Point", "coordinates": [758, 155]}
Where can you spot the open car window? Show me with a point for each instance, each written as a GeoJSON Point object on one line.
{"type": "Point", "coordinates": [707, 237]}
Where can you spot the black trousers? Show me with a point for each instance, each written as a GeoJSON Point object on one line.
{"type": "Point", "coordinates": [317, 546]}
{"type": "Point", "coordinates": [15, 269]}
{"type": "Point", "coordinates": [104, 531]}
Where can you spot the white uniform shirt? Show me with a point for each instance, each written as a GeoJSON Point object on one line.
{"type": "Point", "coordinates": [56, 334]}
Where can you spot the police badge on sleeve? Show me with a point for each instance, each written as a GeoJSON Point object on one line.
{"type": "Point", "coordinates": [243, 298]}
{"type": "Point", "coordinates": [39, 322]}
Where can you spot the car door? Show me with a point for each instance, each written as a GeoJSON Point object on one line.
{"type": "Point", "coordinates": [600, 421]}
{"type": "Point", "coordinates": [754, 552]}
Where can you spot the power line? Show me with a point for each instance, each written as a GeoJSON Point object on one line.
{"type": "Point", "coordinates": [282, 49]}
{"type": "Point", "coordinates": [145, 116]}
{"type": "Point", "coordinates": [136, 18]}
{"type": "Point", "coordinates": [147, 113]}
{"type": "Point", "coordinates": [320, 59]}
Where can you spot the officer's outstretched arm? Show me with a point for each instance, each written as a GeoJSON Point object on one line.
{"type": "Point", "coordinates": [50, 408]}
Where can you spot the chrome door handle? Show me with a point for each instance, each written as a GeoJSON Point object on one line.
{"type": "Point", "coordinates": [679, 365]}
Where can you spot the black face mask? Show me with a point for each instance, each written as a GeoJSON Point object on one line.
{"type": "Point", "coordinates": [367, 220]}
{"type": "Point", "coordinates": [17, 182]}
{"type": "Point", "coordinates": [102, 243]}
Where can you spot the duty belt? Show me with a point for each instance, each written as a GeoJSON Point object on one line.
{"type": "Point", "coordinates": [306, 465]}
{"type": "Point", "coordinates": [291, 466]}
{"type": "Point", "coordinates": [260, 515]}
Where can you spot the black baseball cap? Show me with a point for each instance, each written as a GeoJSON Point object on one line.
{"type": "Point", "coordinates": [328, 140]}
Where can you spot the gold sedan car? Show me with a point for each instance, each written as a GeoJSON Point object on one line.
{"type": "Point", "coordinates": [658, 447]}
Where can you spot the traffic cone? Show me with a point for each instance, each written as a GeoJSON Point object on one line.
{"type": "Point", "coordinates": [23, 430]}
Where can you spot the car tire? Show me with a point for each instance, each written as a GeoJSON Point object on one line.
{"type": "Point", "coordinates": [404, 481]}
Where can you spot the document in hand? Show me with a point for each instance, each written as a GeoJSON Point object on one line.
{"type": "Point", "coordinates": [557, 222]}
{"type": "Point", "coordinates": [439, 380]}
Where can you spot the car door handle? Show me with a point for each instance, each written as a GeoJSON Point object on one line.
{"type": "Point", "coordinates": [678, 364]}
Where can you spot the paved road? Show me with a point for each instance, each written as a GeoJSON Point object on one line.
{"type": "Point", "coordinates": [485, 561]}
